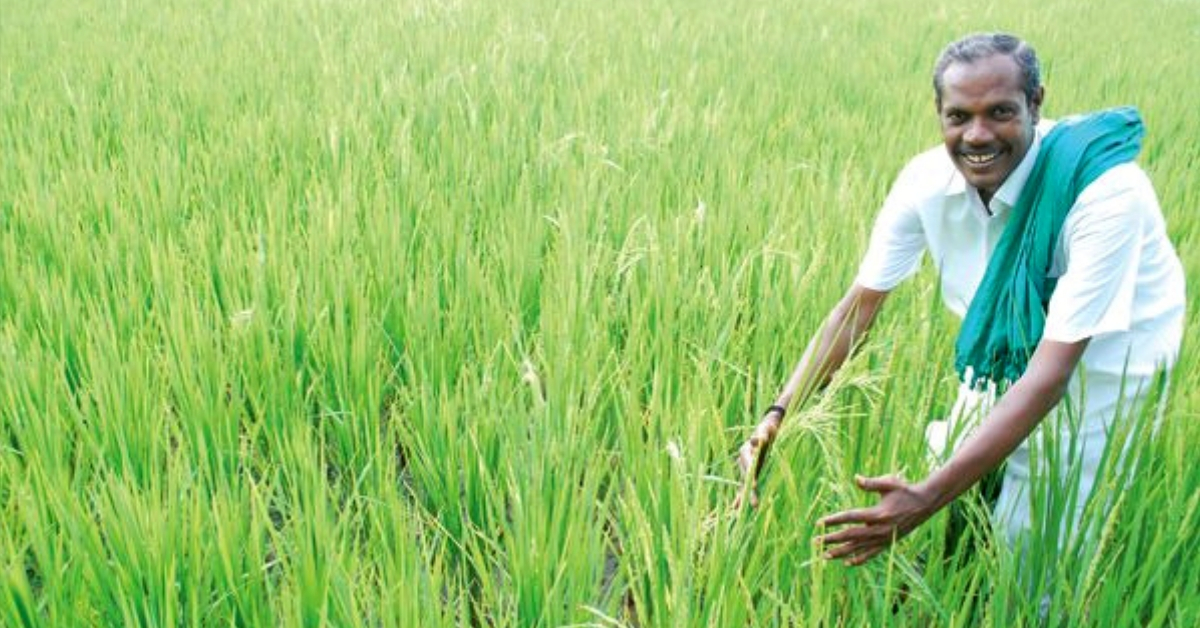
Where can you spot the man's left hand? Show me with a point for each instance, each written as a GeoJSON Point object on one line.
{"type": "Point", "coordinates": [901, 508]}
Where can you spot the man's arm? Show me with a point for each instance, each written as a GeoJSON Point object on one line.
{"type": "Point", "coordinates": [905, 506]}
{"type": "Point", "coordinates": [842, 331]}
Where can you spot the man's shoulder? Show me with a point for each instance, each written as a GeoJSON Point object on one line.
{"type": "Point", "coordinates": [1121, 199]}
{"type": "Point", "coordinates": [1123, 179]}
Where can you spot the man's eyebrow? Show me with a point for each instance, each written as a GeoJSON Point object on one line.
{"type": "Point", "coordinates": [947, 108]}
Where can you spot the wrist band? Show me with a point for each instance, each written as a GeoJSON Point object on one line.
{"type": "Point", "coordinates": [780, 409]}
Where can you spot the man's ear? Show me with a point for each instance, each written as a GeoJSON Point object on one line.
{"type": "Point", "coordinates": [1035, 104]}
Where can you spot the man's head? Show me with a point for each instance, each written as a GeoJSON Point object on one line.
{"type": "Point", "coordinates": [988, 93]}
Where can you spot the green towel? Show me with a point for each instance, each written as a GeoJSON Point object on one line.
{"type": "Point", "coordinates": [1005, 320]}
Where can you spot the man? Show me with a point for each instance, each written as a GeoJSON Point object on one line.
{"type": "Point", "coordinates": [1109, 301]}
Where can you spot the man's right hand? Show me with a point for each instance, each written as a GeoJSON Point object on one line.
{"type": "Point", "coordinates": [751, 457]}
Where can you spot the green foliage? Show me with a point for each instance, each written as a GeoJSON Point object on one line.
{"type": "Point", "coordinates": [449, 312]}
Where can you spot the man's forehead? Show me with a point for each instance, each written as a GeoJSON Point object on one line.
{"type": "Point", "coordinates": [993, 68]}
{"type": "Point", "coordinates": [996, 77]}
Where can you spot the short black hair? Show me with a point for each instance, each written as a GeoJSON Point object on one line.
{"type": "Point", "coordinates": [983, 45]}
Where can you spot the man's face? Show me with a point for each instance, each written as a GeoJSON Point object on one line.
{"type": "Point", "coordinates": [987, 123]}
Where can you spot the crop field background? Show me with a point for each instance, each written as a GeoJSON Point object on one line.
{"type": "Point", "coordinates": [438, 313]}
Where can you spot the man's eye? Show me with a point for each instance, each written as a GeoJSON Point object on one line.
{"type": "Point", "coordinates": [1003, 113]}
{"type": "Point", "coordinates": [955, 117]}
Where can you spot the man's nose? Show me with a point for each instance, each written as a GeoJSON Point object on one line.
{"type": "Point", "coordinates": [977, 132]}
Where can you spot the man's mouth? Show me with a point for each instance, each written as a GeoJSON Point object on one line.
{"type": "Point", "coordinates": [980, 159]}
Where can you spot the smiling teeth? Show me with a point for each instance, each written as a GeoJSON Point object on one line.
{"type": "Point", "coordinates": [979, 160]}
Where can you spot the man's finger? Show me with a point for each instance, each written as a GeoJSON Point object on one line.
{"type": "Point", "coordinates": [862, 540]}
{"type": "Point", "coordinates": [880, 484]}
{"type": "Point", "coordinates": [865, 556]}
{"type": "Point", "coordinates": [746, 494]}
{"type": "Point", "coordinates": [855, 549]}
{"type": "Point", "coordinates": [745, 459]}
{"type": "Point", "coordinates": [843, 551]}
{"type": "Point", "coordinates": [857, 515]}
{"type": "Point", "coordinates": [853, 535]}
{"type": "Point", "coordinates": [749, 497]}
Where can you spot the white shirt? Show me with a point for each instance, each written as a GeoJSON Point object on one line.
{"type": "Point", "coordinates": [1120, 282]}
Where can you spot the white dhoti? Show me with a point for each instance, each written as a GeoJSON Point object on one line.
{"type": "Point", "coordinates": [1053, 472]}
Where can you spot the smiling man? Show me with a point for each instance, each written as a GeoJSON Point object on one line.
{"type": "Point", "coordinates": [1049, 241]}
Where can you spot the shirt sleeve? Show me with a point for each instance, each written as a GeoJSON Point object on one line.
{"type": "Point", "coordinates": [1102, 243]}
{"type": "Point", "coordinates": [897, 239]}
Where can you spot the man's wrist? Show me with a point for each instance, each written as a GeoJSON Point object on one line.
{"type": "Point", "coordinates": [936, 490]}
